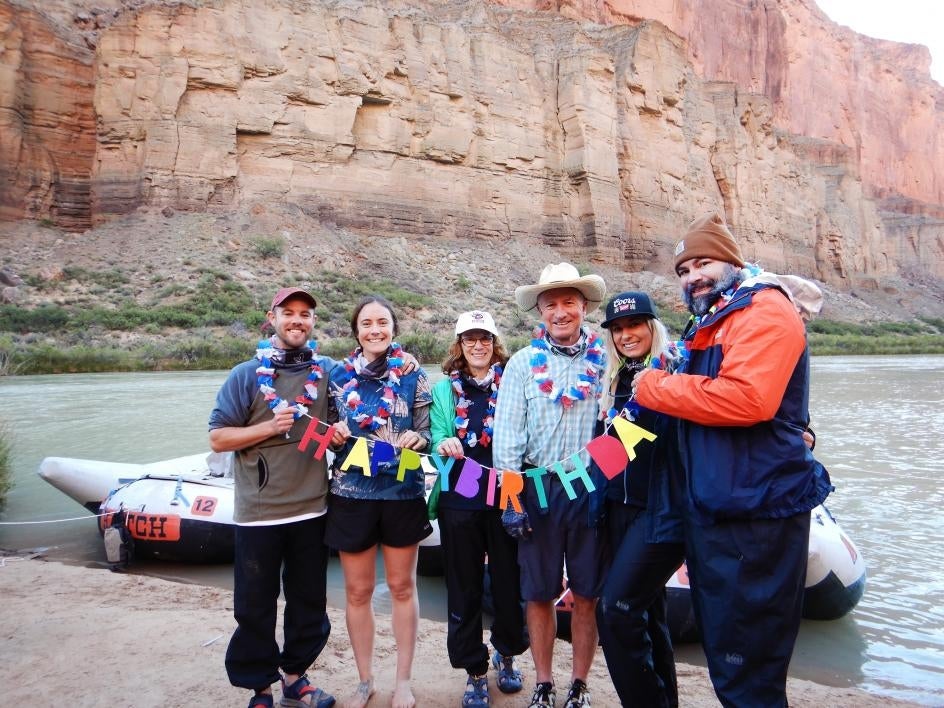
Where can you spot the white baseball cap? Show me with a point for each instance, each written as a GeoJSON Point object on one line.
{"type": "Point", "coordinates": [475, 319]}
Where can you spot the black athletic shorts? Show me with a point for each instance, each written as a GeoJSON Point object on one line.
{"type": "Point", "coordinates": [354, 525]}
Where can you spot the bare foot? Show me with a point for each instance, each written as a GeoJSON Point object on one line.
{"type": "Point", "coordinates": [403, 696]}
{"type": "Point", "coordinates": [362, 694]}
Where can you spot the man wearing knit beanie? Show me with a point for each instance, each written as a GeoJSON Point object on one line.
{"type": "Point", "coordinates": [746, 480]}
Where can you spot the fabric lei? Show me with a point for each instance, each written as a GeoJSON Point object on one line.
{"type": "Point", "coordinates": [267, 353]}
{"type": "Point", "coordinates": [361, 413]}
{"type": "Point", "coordinates": [594, 358]}
{"type": "Point", "coordinates": [462, 409]}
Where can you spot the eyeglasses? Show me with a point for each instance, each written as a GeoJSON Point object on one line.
{"type": "Point", "coordinates": [470, 340]}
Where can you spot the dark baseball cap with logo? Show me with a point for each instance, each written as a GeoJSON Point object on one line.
{"type": "Point", "coordinates": [629, 304]}
{"type": "Point", "coordinates": [285, 293]}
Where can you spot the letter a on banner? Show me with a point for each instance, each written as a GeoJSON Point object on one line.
{"type": "Point", "coordinates": [631, 435]}
{"type": "Point", "coordinates": [311, 433]}
{"type": "Point", "coordinates": [358, 456]}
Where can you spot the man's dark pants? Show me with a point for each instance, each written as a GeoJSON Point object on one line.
{"type": "Point", "coordinates": [747, 579]}
{"type": "Point", "coordinates": [295, 554]}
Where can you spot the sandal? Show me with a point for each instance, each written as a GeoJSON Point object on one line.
{"type": "Point", "coordinates": [302, 694]}
{"type": "Point", "coordinates": [509, 678]}
{"type": "Point", "coordinates": [261, 700]}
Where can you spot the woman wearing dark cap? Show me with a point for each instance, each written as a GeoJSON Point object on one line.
{"type": "Point", "coordinates": [644, 537]}
{"type": "Point", "coordinates": [462, 414]}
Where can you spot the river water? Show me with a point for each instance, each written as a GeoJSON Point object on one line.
{"type": "Point", "coordinates": [880, 432]}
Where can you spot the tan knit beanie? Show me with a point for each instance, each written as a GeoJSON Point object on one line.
{"type": "Point", "coordinates": [708, 237]}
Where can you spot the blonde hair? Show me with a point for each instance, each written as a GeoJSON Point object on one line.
{"type": "Point", "coordinates": [615, 362]}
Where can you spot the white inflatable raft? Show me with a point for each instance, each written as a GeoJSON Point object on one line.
{"type": "Point", "coordinates": [179, 509]}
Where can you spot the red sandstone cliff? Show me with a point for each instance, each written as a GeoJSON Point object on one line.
{"type": "Point", "coordinates": [470, 119]}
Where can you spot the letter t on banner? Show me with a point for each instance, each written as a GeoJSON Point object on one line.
{"type": "Point", "coordinates": [311, 433]}
{"type": "Point", "coordinates": [631, 435]}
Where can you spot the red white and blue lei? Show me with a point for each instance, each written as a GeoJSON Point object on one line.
{"type": "Point", "coordinates": [462, 409]}
{"type": "Point", "coordinates": [594, 359]}
{"type": "Point", "coordinates": [266, 353]}
{"type": "Point", "coordinates": [359, 411]}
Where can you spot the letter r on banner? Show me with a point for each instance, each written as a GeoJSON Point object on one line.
{"type": "Point", "coordinates": [311, 433]}
{"type": "Point", "coordinates": [512, 484]}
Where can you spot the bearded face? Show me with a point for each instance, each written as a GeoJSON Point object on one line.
{"type": "Point", "coordinates": [704, 281]}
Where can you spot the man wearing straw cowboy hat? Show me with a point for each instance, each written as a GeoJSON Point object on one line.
{"type": "Point", "coordinates": [545, 415]}
{"type": "Point", "coordinates": [748, 480]}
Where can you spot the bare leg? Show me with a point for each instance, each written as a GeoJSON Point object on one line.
{"type": "Point", "coordinates": [542, 628]}
{"type": "Point", "coordinates": [359, 580]}
{"type": "Point", "coordinates": [400, 567]}
{"type": "Point", "coordinates": [583, 632]}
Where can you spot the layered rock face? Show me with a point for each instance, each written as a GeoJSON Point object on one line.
{"type": "Point", "coordinates": [47, 121]}
{"type": "Point", "coordinates": [458, 119]}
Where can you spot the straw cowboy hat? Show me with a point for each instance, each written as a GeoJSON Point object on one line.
{"type": "Point", "coordinates": [562, 275]}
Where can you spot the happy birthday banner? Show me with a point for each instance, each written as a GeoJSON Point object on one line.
{"type": "Point", "coordinates": [610, 454]}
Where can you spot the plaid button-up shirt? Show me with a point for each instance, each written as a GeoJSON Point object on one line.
{"type": "Point", "coordinates": [530, 428]}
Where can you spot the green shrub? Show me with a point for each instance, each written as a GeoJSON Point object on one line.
{"type": "Point", "coordinates": [6, 463]}
{"type": "Point", "coordinates": [266, 247]}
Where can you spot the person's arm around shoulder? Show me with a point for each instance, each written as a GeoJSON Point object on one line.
{"type": "Point", "coordinates": [761, 346]}
{"type": "Point", "coordinates": [418, 436]}
{"type": "Point", "coordinates": [511, 415]}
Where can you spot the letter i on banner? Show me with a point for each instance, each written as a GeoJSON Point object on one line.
{"type": "Point", "coordinates": [311, 433]}
{"type": "Point", "coordinates": [631, 435]}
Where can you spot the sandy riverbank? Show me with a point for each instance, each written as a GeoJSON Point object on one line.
{"type": "Point", "coordinates": [87, 637]}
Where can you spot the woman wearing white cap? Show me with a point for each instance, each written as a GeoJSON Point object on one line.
{"type": "Point", "coordinates": [644, 536]}
{"type": "Point", "coordinates": [461, 419]}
